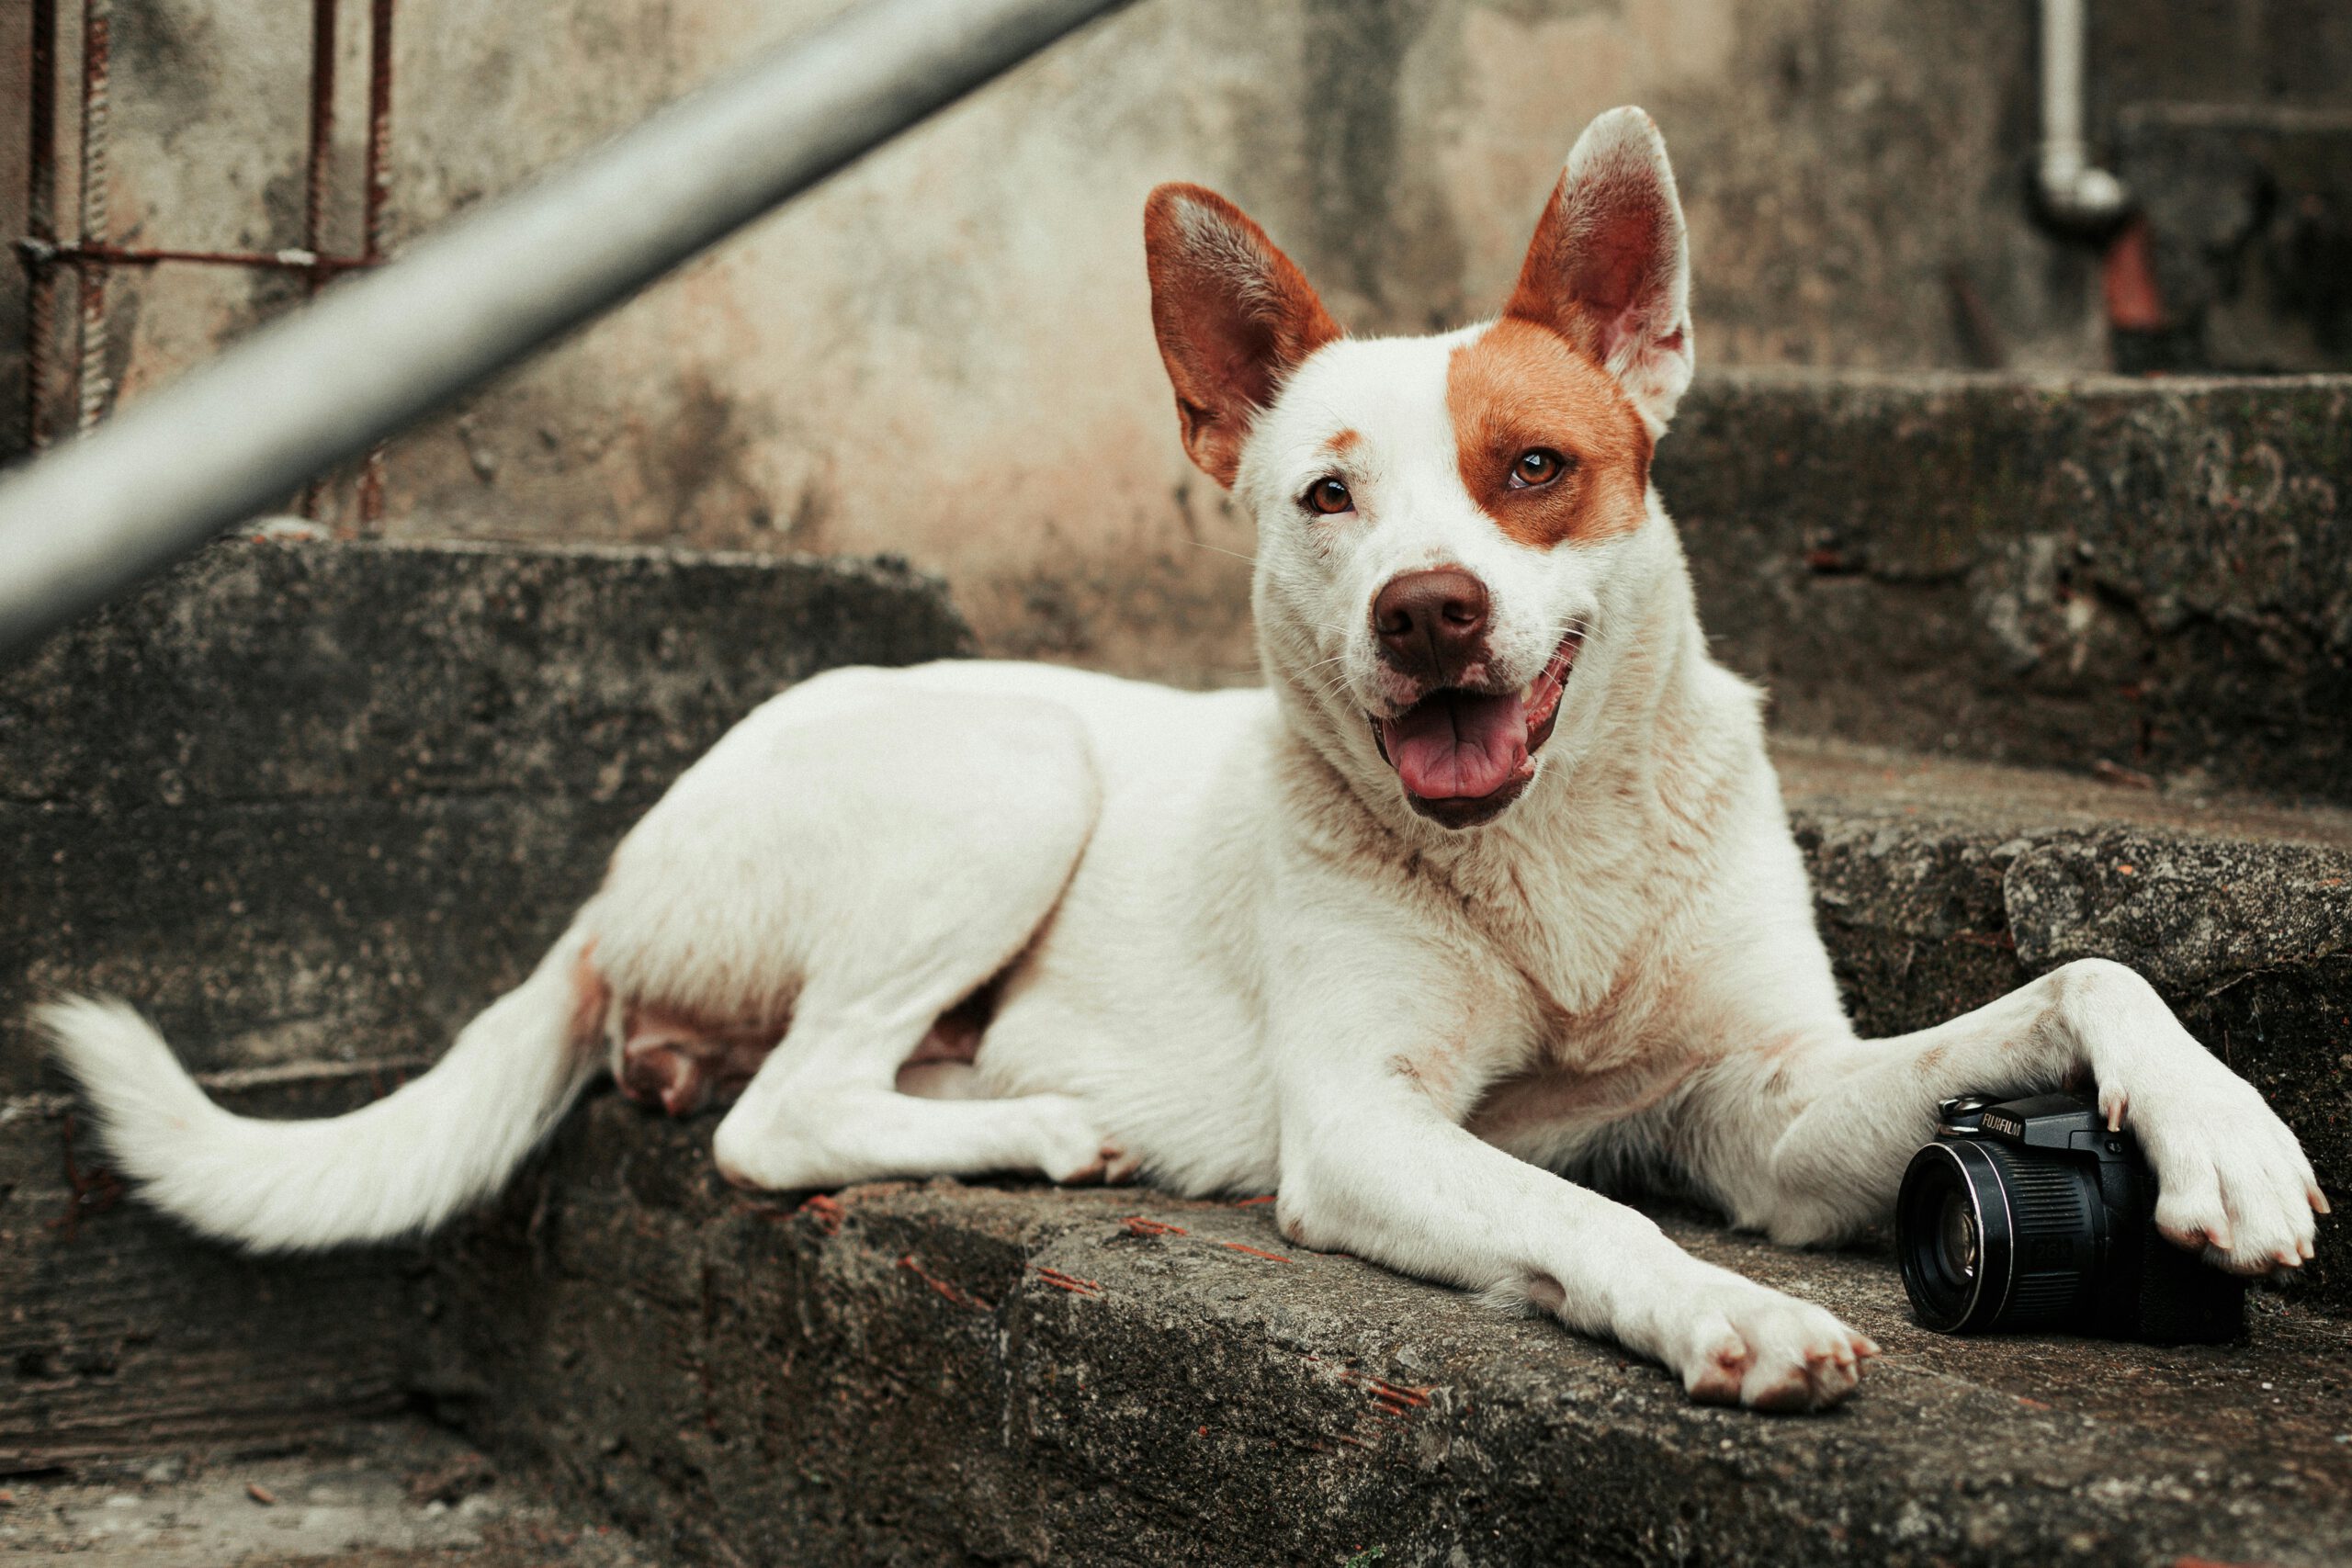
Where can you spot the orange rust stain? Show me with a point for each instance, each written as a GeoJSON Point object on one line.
{"type": "Point", "coordinates": [1138, 1226]}
{"type": "Point", "coordinates": [1233, 314]}
{"type": "Point", "coordinates": [964, 1299]}
{"type": "Point", "coordinates": [1520, 386]}
{"type": "Point", "coordinates": [1393, 1399]}
{"type": "Point", "coordinates": [1269, 1256]}
{"type": "Point", "coordinates": [1069, 1283]}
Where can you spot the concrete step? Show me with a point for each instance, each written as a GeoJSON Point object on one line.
{"type": "Point", "coordinates": [2072, 574]}
{"type": "Point", "coordinates": [939, 1373]}
{"type": "Point", "coordinates": [120, 1333]}
{"type": "Point", "coordinates": [396, 1493]}
{"type": "Point", "coordinates": [216, 761]}
{"type": "Point", "coordinates": [1941, 886]}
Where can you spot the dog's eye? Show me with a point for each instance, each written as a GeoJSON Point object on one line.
{"type": "Point", "coordinates": [1537, 466]}
{"type": "Point", "coordinates": [1328, 496]}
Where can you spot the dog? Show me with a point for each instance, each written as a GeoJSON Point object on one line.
{"type": "Point", "coordinates": [1490, 889]}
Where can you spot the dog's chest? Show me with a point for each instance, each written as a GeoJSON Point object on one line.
{"type": "Point", "coordinates": [1591, 955]}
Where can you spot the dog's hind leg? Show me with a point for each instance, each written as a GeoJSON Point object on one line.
{"type": "Point", "coordinates": [830, 1105]}
{"type": "Point", "coordinates": [858, 858]}
{"type": "Point", "coordinates": [870, 1081]}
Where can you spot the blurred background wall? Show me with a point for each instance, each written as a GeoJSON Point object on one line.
{"type": "Point", "coordinates": [945, 353]}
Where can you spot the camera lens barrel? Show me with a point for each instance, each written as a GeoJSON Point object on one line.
{"type": "Point", "coordinates": [1993, 1241]}
{"type": "Point", "coordinates": [1953, 1294]}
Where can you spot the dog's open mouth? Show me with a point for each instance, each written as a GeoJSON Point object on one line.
{"type": "Point", "coordinates": [1464, 755]}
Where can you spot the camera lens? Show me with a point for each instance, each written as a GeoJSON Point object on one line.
{"type": "Point", "coordinates": [1993, 1236]}
{"type": "Point", "coordinates": [1956, 1234]}
{"type": "Point", "coordinates": [1951, 1229]}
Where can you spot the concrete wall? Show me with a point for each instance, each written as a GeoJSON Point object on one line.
{"type": "Point", "coordinates": [945, 352]}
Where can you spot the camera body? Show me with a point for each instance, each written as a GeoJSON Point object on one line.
{"type": "Point", "coordinates": [2030, 1215]}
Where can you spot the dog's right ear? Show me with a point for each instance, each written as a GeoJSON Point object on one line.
{"type": "Point", "coordinates": [1233, 314]}
{"type": "Point", "coordinates": [1610, 269]}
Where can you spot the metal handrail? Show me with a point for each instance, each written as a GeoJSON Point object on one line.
{"type": "Point", "coordinates": [376, 352]}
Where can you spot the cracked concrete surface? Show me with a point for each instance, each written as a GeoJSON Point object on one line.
{"type": "Point", "coordinates": [398, 1494]}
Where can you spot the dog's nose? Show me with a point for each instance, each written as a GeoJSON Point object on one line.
{"type": "Point", "coordinates": [1432, 624]}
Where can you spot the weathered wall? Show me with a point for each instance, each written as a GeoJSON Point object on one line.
{"type": "Point", "coordinates": [317, 802]}
{"type": "Point", "coordinates": [945, 352]}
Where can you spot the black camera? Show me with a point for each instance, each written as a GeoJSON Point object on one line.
{"type": "Point", "coordinates": [2031, 1214]}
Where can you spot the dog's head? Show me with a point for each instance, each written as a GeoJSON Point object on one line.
{"type": "Point", "coordinates": [1446, 524]}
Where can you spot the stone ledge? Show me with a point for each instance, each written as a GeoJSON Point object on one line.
{"type": "Point", "coordinates": [2054, 571]}
{"type": "Point", "coordinates": [938, 1372]}
{"type": "Point", "coordinates": [120, 1333]}
{"type": "Point", "coordinates": [1941, 886]}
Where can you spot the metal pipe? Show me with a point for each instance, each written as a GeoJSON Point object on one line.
{"type": "Point", "coordinates": [384, 347]}
{"type": "Point", "coordinates": [2075, 193]}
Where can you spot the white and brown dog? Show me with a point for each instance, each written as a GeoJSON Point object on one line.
{"type": "Point", "coordinates": [1493, 886]}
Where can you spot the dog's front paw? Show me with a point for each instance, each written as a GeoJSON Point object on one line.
{"type": "Point", "coordinates": [1748, 1344]}
{"type": "Point", "coordinates": [2232, 1182]}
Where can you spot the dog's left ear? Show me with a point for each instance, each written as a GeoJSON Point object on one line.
{"type": "Point", "coordinates": [1234, 315]}
{"type": "Point", "coordinates": [1609, 268]}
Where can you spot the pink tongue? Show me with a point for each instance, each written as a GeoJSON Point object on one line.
{"type": "Point", "coordinates": [1457, 746]}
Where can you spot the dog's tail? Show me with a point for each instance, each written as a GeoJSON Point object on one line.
{"type": "Point", "coordinates": [399, 1166]}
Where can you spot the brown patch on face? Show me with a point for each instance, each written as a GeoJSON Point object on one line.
{"type": "Point", "coordinates": [1521, 386]}
{"type": "Point", "coordinates": [1340, 446]}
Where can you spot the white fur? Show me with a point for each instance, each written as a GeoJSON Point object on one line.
{"type": "Point", "coordinates": [1235, 959]}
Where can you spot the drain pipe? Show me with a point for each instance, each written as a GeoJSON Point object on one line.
{"type": "Point", "coordinates": [2074, 194]}
{"type": "Point", "coordinates": [375, 353]}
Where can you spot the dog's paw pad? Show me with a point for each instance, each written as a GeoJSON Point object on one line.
{"type": "Point", "coordinates": [1773, 1352]}
{"type": "Point", "coordinates": [1715, 1374]}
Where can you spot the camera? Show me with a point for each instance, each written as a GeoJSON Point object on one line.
{"type": "Point", "coordinates": [2030, 1215]}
